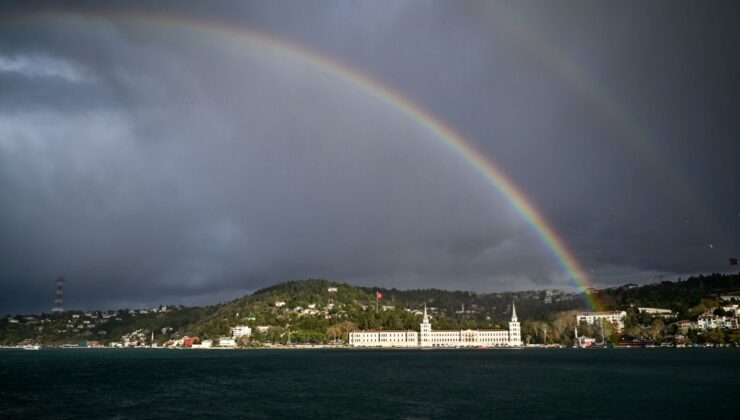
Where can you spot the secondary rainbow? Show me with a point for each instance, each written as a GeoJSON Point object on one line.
{"type": "Point", "coordinates": [240, 36]}
{"type": "Point", "coordinates": [633, 135]}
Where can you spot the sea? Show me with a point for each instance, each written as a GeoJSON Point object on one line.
{"type": "Point", "coordinates": [369, 384]}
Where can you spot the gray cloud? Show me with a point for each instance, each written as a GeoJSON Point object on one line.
{"type": "Point", "coordinates": [149, 163]}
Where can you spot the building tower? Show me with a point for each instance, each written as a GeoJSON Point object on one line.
{"type": "Point", "coordinates": [425, 332]}
{"type": "Point", "coordinates": [58, 308]}
{"type": "Point", "coordinates": [515, 331]}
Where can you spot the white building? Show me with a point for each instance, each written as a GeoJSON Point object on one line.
{"type": "Point", "coordinates": [279, 303]}
{"type": "Point", "coordinates": [733, 310]}
{"type": "Point", "coordinates": [331, 289]}
{"type": "Point", "coordinates": [227, 342]}
{"type": "Point", "coordinates": [666, 313]}
{"type": "Point", "coordinates": [615, 317]}
{"type": "Point", "coordinates": [449, 338]}
{"type": "Point", "coordinates": [710, 321]}
{"type": "Point", "coordinates": [240, 331]}
{"type": "Point", "coordinates": [205, 344]}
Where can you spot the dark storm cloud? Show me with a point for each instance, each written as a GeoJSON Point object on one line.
{"type": "Point", "coordinates": [153, 165]}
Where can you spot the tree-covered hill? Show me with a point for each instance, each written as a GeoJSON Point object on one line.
{"type": "Point", "coordinates": [679, 296]}
{"type": "Point", "coordinates": [318, 311]}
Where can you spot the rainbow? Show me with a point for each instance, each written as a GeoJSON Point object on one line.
{"type": "Point", "coordinates": [241, 37]}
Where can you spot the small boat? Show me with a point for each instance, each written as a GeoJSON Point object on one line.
{"type": "Point", "coordinates": [31, 347]}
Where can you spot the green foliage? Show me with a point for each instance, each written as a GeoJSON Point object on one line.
{"type": "Point", "coordinates": [699, 292]}
{"type": "Point", "coordinates": [548, 318]}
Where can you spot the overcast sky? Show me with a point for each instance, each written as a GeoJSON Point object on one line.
{"type": "Point", "coordinates": [156, 163]}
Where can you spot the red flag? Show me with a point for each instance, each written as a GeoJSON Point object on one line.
{"type": "Point", "coordinates": [378, 295]}
{"type": "Point", "coordinates": [733, 261]}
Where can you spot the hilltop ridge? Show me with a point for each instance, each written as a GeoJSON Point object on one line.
{"type": "Point", "coordinates": [307, 310]}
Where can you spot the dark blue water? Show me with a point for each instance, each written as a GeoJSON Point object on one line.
{"type": "Point", "coordinates": [665, 383]}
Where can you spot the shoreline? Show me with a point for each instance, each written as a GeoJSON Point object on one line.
{"type": "Point", "coordinates": [340, 347]}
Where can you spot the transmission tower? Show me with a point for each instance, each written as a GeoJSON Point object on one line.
{"type": "Point", "coordinates": [58, 308]}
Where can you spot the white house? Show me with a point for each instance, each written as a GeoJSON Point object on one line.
{"type": "Point", "coordinates": [733, 310]}
{"type": "Point", "coordinates": [710, 321]}
{"type": "Point", "coordinates": [241, 330]}
{"type": "Point", "coordinates": [205, 344]}
{"type": "Point", "coordinates": [279, 303]}
{"type": "Point", "coordinates": [615, 317]}
{"type": "Point", "coordinates": [666, 313]}
{"type": "Point", "coordinates": [227, 342]}
{"type": "Point", "coordinates": [332, 290]}
{"type": "Point", "coordinates": [445, 338]}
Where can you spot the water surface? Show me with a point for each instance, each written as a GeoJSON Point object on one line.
{"type": "Point", "coordinates": [529, 383]}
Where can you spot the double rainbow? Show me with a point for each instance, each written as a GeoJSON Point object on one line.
{"type": "Point", "coordinates": [244, 38]}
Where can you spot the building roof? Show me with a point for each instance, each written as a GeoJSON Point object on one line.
{"type": "Point", "coordinates": [600, 313]}
{"type": "Point", "coordinates": [383, 331]}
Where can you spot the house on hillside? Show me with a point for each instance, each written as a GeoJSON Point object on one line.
{"type": "Point", "coordinates": [615, 317]}
{"type": "Point", "coordinates": [664, 313]}
{"type": "Point", "coordinates": [241, 331]}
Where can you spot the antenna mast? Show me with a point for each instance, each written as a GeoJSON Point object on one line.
{"type": "Point", "coordinates": [58, 308]}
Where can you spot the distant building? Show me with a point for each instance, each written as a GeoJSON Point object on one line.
{"type": "Point", "coordinates": [279, 303]}
{"type": "Point", "coordinates": [684, 326]}
{"type": "Point", "coordinates": [615, 317]}
{"type": "Point", "coordinates": [665, 313]}
{"type": "Point", "coordinates": [241, 331]}
{"type": "Point", "coordinates": [450, 338]}
{"type": "Point", "coordinates": [710, 322]}
{"type": "Point", "coordinates": [332, 290]}
{"type": "Point", "coordinates": [588, 342]}
{"type": "Point", "coordinates": [733, 310]}
{"type": "Point", "coordinates": [190, 341]}
{"type": "Point", "coordinates": [205, 344]}
{"type": "Point", "coordinates": [227, 342]}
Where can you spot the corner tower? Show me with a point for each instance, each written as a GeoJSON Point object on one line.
{"type": "Point", "coordinates": [515, 331]}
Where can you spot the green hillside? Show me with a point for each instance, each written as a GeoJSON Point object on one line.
{"type": "Point", "coordinates": [320, 311]}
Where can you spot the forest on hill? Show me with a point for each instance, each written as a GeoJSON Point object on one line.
{"type": "Point", "coordinates": [320, 311]}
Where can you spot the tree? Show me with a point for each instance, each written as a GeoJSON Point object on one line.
{"type": "Point", "coordinates": [544, 327]}
{"type": "Point", "coordinates": [243, 341]}
{"type": "Point", "coordinates": [608, 332]}
{"type": "Point", "coordinates": [715, 336]}
{"type": "Point", "coordinates": [655, 331]}
{"type": "Point", "coordinates": [633, 331]}
{"type": "Point", "coordinates": [563, 326]}
{"type": "Point", "coordinates": [345, 328]}
{"type": "Point", "coordinates": [275, 335]}
{"type": "Point", "coordinates": [333, 333]}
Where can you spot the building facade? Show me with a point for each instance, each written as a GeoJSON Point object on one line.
{"type": "Point", "coordinates": [426, 337]}
{"type": "Point", "coordinates": [615, 317]}
{"type": "Point", "coordinates": [241, 331]}
{"type": "Point", "coordinates": [665, 313]}
{"type": "Point", "coordinates": [709, 321]}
